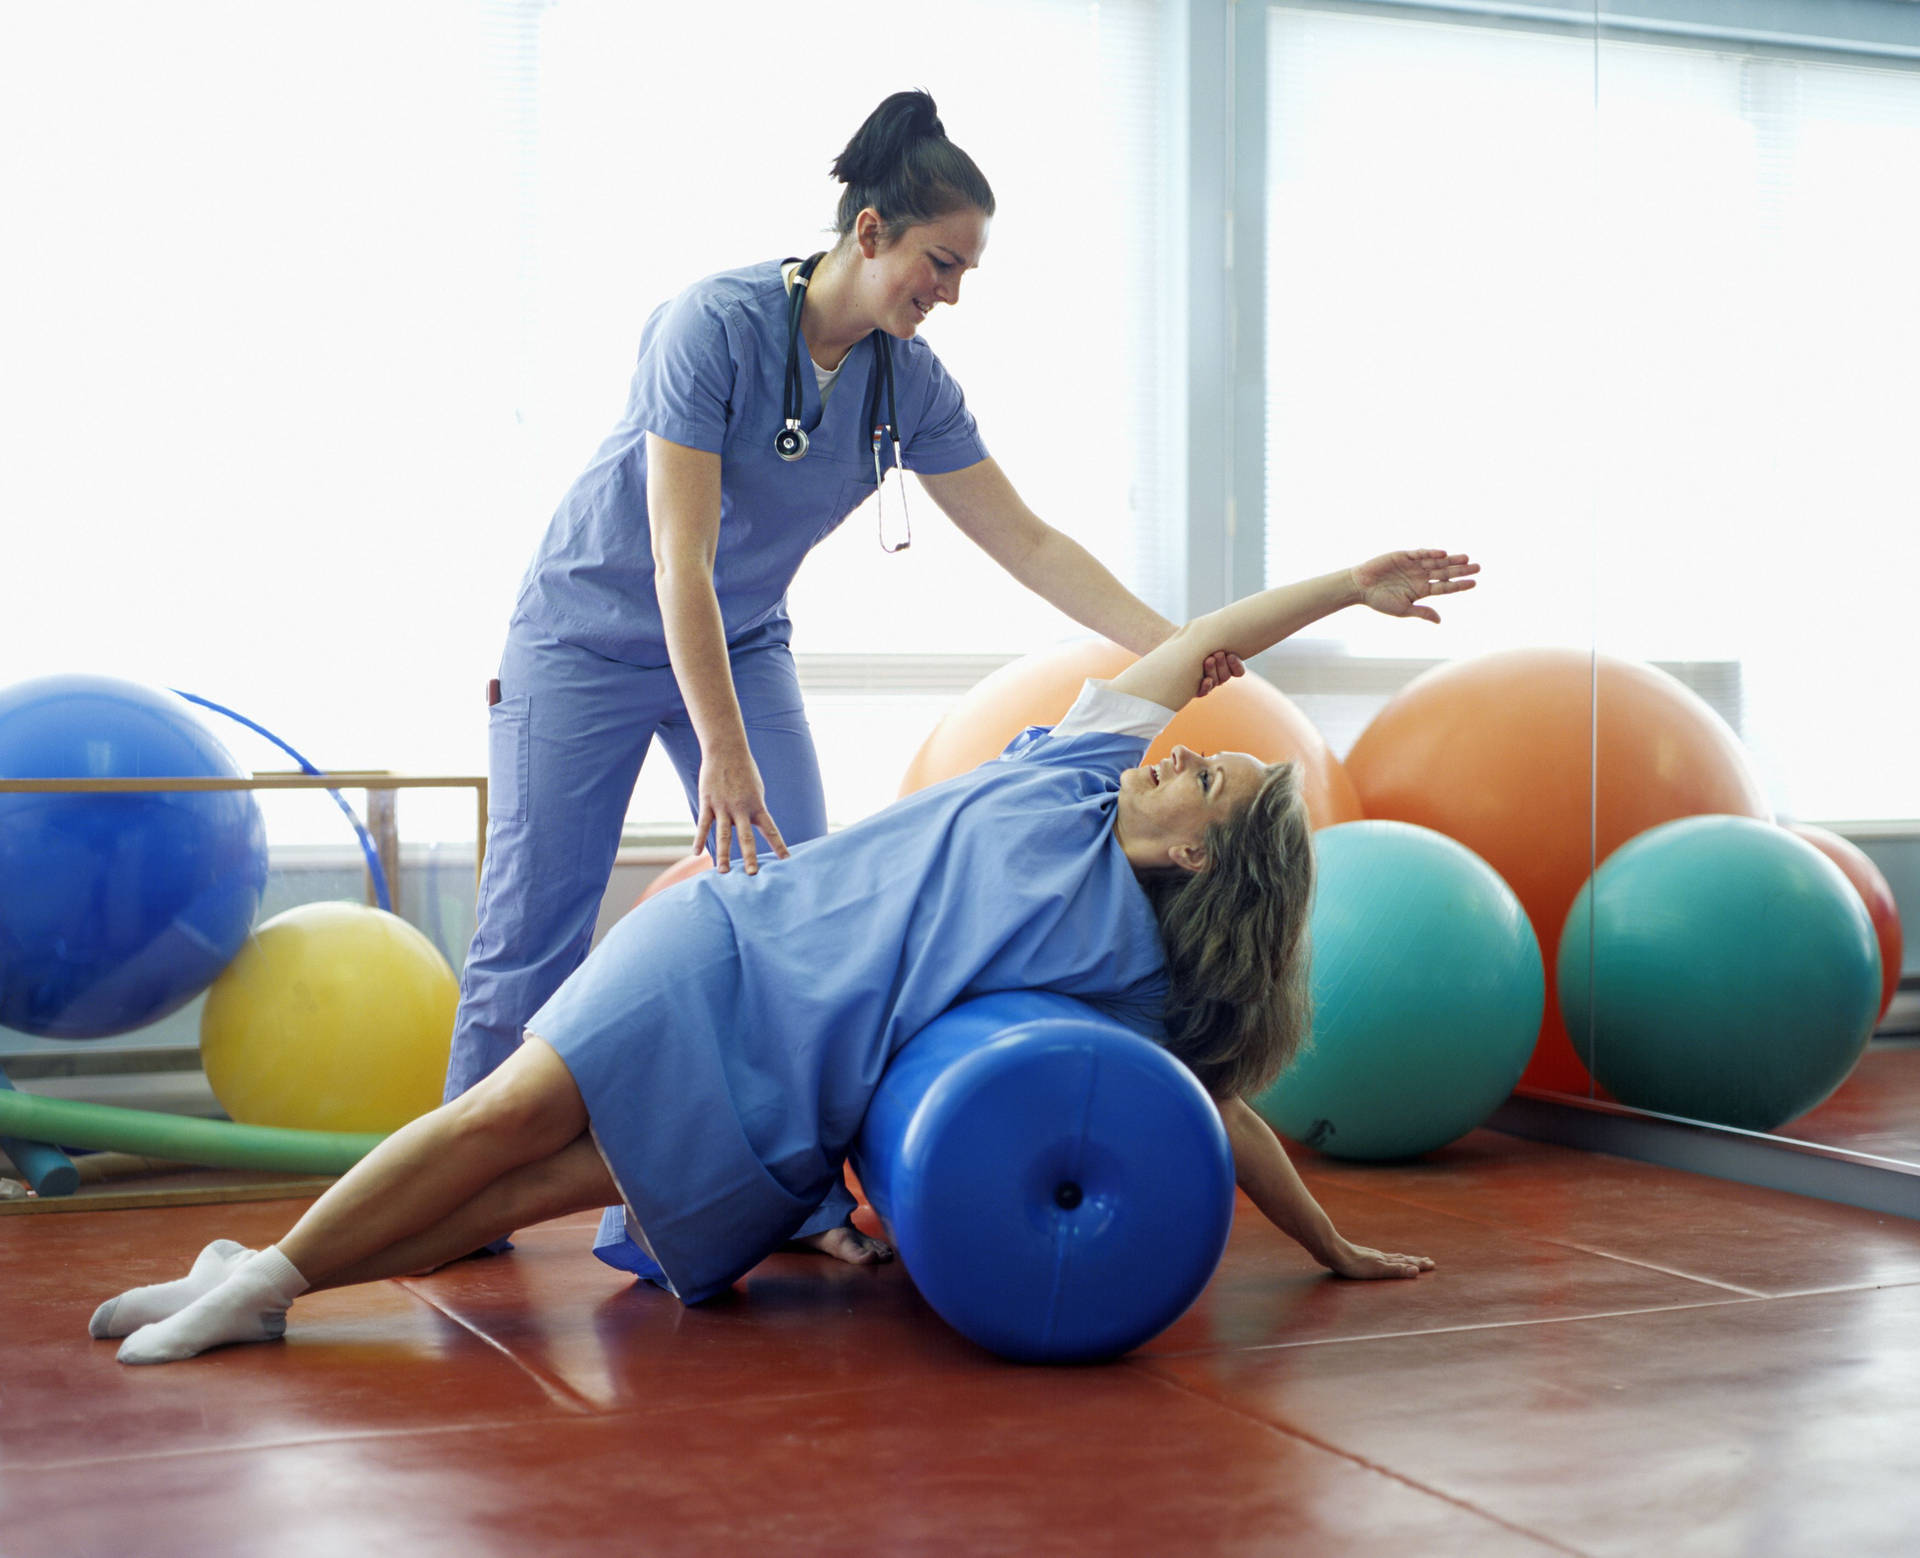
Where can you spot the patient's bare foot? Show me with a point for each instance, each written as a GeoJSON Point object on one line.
{"type": "Point", "coordinates": [849, 1244]}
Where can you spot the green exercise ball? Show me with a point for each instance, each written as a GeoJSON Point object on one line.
{"type": "Point", "coordinates": [1428, 990]}
{"type": "Point", "coordinates": [1722, 969]}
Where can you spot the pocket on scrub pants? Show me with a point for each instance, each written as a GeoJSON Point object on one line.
{"type": "Point", "coordinates": [507, 759]}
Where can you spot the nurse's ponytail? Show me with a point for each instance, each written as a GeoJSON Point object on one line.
{"type": "Point", "coordinates": [901, 163]}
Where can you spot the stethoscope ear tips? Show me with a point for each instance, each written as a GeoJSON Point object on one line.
{"type": "Point", "coordinates": [790, 443]}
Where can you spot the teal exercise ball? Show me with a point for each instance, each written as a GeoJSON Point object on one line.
{"type": "Point", "coordinates": [1721, 969]}
{"type": "Point", "coordinates": [1428, 990]}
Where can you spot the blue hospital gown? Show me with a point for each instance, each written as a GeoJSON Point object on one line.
{"type": "Point", "coordinates": [728, 1035]}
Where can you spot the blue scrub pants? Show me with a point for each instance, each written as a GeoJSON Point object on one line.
{"type": "Point", "coordinates": [565, 744]}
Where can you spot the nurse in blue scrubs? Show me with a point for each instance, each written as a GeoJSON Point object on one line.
{"type": "Point", "coordinates": [656, 604]}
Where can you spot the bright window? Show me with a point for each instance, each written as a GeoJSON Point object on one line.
{"type": "Point", "coordinates": [315, 309]}
{"type": "Point", "coordinates": [1635, 323]}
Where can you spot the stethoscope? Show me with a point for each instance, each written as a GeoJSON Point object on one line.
{"type": "Point", "coordinates": [791, 442]}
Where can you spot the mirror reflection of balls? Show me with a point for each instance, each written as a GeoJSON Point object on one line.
{"type": "Point", "coordinates": [1722, 969]}
{"type": "Point", "coordinates": [1858, 868]}
{"type": "Point", "coordinates": [1537, 758]}
{"type": "Point", "coordinates": [334, 1017]}
{"type": "Point", "coordinates": [116, 909]}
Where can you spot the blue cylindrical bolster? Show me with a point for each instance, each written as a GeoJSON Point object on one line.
{"type": "Point", "coordinates": [1059, 1188]}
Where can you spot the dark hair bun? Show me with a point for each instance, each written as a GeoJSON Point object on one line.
{"type": "Point", "coordinates": [879, 146]}
{"type": "Point", "coordinates": [901, 163]}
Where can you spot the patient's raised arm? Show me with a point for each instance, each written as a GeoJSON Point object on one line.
{"type": "Point", "coordinates": [1397, 584]}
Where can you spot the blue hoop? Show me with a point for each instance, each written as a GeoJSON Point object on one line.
{"type": "Point", "coordinates": [380, 894]}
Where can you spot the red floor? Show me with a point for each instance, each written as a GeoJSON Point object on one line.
{"type": "Point", "coordinates": [1876, 1110]}
{"type": "Point", "coordinates": [1611, 1358]}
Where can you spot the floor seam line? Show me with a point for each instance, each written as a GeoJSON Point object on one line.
{"type": "Point", "coordinates": [350, 1436]}
{"type": "Point", "coordinates": [417, 1431]}
{"type": "Point", "coordinates": [1486, 1325]}
{"type": "Point", "coordinates": [1851, 1287]}
{"type": "Point", "coordinates": [1559, 1244]}
{"type": "Point", "coordinates": [1665, 1271]}
{"type": "Point", "coordinates": [1354, 1458]}
{"type": "Point", "coordinates": [557, 1391]}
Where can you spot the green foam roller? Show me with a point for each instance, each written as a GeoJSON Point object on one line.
{"type": "Point", "coordinates": [214, 1143]}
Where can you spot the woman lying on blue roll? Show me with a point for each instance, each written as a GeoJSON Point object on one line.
{"type": "Point", "coordinates": [705, 1071]}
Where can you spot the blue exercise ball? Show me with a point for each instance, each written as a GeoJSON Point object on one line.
{"type": "Point", "coordinates": [1058, 1187]}
{"type": "Point", "coordinates": [116, 909]}
{"type": "Point", "coordinates": [1722, 969]}
{"type": "Point", "coordinates": [1428, 990]}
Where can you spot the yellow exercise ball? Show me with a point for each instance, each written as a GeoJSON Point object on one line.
{"type": "Point", "coordinates": [334, 1017]}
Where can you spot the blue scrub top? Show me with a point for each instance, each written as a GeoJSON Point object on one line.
{"type": "Point", "coordinates": [712, 364]}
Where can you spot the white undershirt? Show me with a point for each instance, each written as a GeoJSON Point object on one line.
{"type": "Point", "coordinates": [1100, 708]}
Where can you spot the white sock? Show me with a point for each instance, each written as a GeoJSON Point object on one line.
{"type": "Point", "coordinates": [136, 1307]}
{"type": "Point", "coordinates": [250, 1306]}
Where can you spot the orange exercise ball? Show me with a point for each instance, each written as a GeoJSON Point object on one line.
{"type": "Point", "coordinates": [1497, 752]}
{"type": "Point", "coordinates": [1874, 892]}
{"type": "Point", "coordinates": [683, 868]}
{"type": "Point", "coordinates": [1249, 714]}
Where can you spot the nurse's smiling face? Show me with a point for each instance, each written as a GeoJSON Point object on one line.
{"type": "Point", "coordinates": [904, 281]}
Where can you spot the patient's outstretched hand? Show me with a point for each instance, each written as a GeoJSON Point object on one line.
{"type": "Point", "coordinates": [1397, 583]}
{"type": "Point", "coordinates": [1363, 1264]}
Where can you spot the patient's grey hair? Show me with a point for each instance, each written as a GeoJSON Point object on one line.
{"type": "Point", "coordinates": [1239, 1005]}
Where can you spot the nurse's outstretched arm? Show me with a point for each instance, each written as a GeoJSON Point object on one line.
{"type": "Point", "coordinates": [984, 507]}
{"type": "Point", "coordinates": [1397, 584]}
{"type": "Point", "coordinates": [683, 507]}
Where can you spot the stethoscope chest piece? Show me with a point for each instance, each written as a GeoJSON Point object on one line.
{"type": "Point", "coordinates": [790, 443]}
